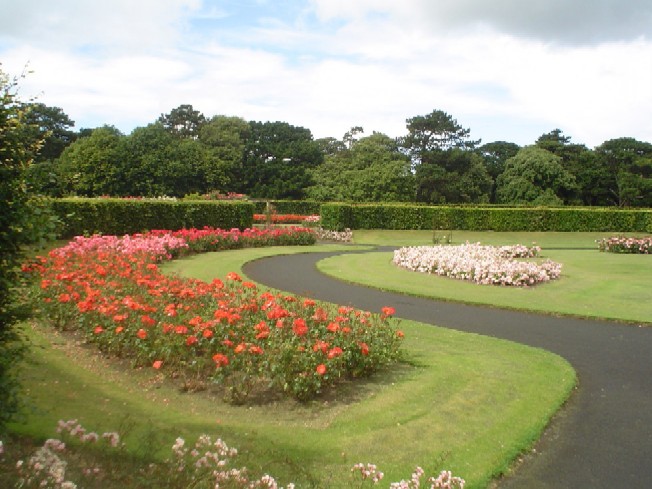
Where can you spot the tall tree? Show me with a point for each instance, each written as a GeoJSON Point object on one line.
{"type": "Point", "coordinates": [183, 122]}
{"type": "Point", "coordinates": [628, 163]}
{"type": "Point", "coordinates": [437, 131]}
{"type": "Point", "coordinates": [51, 125]}
{"type": "Point", "coordinates": [452, 176]}
{"type": "Point", "coordinates": [18, 227]}
{"type": "Point", "coordinates": [159, 164]}
{"type": "Point", "coordinates": [373, 170]}
{"type": "Point", "coordinates": [226, 139]}
{"type": "Point", "coordinates": [93, 165]}
{"type": "Point", "coordinates": [495, 155]}
{"type": "Point", "coordinates": [592, 181]}
{"type": "Point", "coordinates": [535, 176]}
{"type": "Point", "coordinates": [277, 159]}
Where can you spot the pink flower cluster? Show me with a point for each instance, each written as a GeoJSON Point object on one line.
{"type": "Point", "coordinates": [485, 265]}
{"type": "Point", "coordinates": [159, 246]}
{"type": "Point", "coordinates": [445, 479]}
{"type": "Point", "coordinates": [624, 244]}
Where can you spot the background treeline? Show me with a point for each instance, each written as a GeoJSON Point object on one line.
{"type": "Point", "coordinates": [436, 162]}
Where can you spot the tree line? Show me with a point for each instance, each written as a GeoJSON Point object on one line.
{"type": "Point", "coordinates": [185, 153]}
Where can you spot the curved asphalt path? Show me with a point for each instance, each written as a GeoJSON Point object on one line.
{"type": "Point", "coordinates": [601, 439]}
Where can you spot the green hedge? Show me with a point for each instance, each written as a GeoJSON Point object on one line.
{"type": "Point", "coordinates": [383, 216]}
{"type": "Point", "coordinates": [299, 207]}
{"type": "Point", "coordinates": [125, 216]}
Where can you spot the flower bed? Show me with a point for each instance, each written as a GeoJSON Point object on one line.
{"type": "Point", "coordinates": [285, 218]}
{"type": "Point", "coordinates": [486, 265]}
{"type": "Point", "coordinates": [227, 332]}
{"type": "Point", "coordinates": [345, 236]}
{"type": "Point", "coordinates": [624, 244]}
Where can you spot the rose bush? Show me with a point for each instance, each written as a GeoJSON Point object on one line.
{"type": "Point", "coordinates": [624, 244]}
{"type": "Point", "coordinates": [486, 265]}
{"type": "Point", "coordinates": [227, 332]}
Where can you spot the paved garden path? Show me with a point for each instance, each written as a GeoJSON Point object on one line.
{"type": "Point", "coordinates": [601, 439]}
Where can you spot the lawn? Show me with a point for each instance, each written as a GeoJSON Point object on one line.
{"type": "Point", "coordinates": [438, 411]}
{"type": "Point", "coordinates": [593, 284]}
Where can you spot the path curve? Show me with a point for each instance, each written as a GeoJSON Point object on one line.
{"type": "Point", "coordinates": [601, 439]}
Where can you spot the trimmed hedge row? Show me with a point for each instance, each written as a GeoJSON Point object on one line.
{"type": "Point", "coordinates": [340, 216]}
{"type": "Point", "coordinates": [297, 207]}
{"type": "Point", "coordinates": [82, 216]}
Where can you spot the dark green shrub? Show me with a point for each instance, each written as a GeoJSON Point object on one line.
{"type": "Point", "coordinates": [128, 216]}
{"type": "Point", "coordinates": [484, 218]}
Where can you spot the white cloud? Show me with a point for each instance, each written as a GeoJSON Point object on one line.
{"type": "Point", "coordinates": [371, 62]}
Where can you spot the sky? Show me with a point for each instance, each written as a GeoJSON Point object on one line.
{"type": "Point", "coordinates": [508, 70]}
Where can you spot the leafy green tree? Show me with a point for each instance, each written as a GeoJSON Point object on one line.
{"type": "Point", "coordinates": [591, 178]}
{"type": "Point", "coordinates": [19, 226]}
{"type": "Point", "coordinates": [226, 139]}
{"type": "Point", "coordinates": [452, 176]}
{"type": "Point", "coordinates": [159, 164]}
{"type": "Point", "coordinates": [435, 132]}
{"type": "Point", "coordinates": [278, 157]}
{"type": "Point", "coordinates": [628, 163]}
{"type": "Point", "coordinates": [184, 122]}
{"type": "Point", "coordinates": [535, 176]}
{"type": "Point", "coordinates": [53, 127]}
{"type": "Point", "coordinates": [373, 170]}
{"type": "Point", "coordinates": [330, 146]}
{"type": "Point", "coordinates": [496, 154]}
{"type": "Point", "coordinates": [93, 165]}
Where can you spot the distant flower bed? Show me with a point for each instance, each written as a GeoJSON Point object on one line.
{"type": "Point", "coordinates": [164, 244]}
{"type": "Point", "coordinates": [624, 244]}
{"type": "Point", "coordinates": [227, 332]}
{"type": "Point", "coordinates": [345, 236]}
{"type": "Point", "coordinates": [486, 265]}
{"type": "Point", "coordinates": [285, 218]}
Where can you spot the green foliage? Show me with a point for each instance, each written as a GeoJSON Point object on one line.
{"type": "Point", "coordinates": [24, 219]}
{"type": "Point", "coordinates": [336, 216]}
{"type": "Point", "coordinates": [297, 207]}
{"type": "Point", "coordinates": [371, 169]}
{"type": "Point", "coordinates": [452, 176]}
{"type": "Point", "coordinates": [535, 176]}
{"type": "Point", "coordinates": [494, 218]}
{"type": "Point", "coordinates": [184, 122]}
{"type": "Point", "coordinates": [127, 216]}
{"type": "Point", "coordinates": [92, 165]}
{"type": "Point", "coordinates": [276, 162]}
{"type": "Point", "coordinates": [627, 164]}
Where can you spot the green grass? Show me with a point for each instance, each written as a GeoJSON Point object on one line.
{"type": "Point", "coordinates": [593, 284]}
{"type": "Point", "coordinates": [471, 407]}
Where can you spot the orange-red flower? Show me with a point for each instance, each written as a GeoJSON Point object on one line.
{"type": "Point", "coordinates": [364, 348]}
{"type": "Point", "coordinates": [334, 352]}
{"type": "Point", "coordinates": [321, 369]}
{"type": "Point", "coordinates": [157, 364]}
{"type": "Point", "coordinates": [234, 276]}
{"type": "Point", "coordinates": [147, 320]}
{"type": "Point", "coordinates": [300, 327]}
{"type": "Point", "coordinates": [220, 360]}
{"type": "Point", "coordinates": [388, 311]}
{"type": "Point", "coordinates": [98, 329]}
{"type": "Point", "coordinates": [142, 334]}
